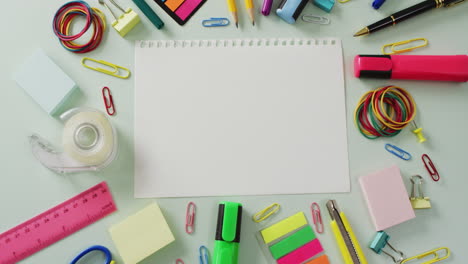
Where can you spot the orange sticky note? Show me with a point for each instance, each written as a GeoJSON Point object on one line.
{"type": "Point", "coordinates": [320, 260]}
{"type": "Point", "coordinates": [174, 4]}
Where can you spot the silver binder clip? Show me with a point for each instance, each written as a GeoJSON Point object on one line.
{"type": "Point", "coordinates": [316, 19]}
{"type": "Point", "coordinates": [216, 22]}
{"type": "Point", "coordinates": [418, 202]}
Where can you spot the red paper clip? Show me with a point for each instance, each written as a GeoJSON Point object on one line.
{"type": "Point", "coordinates": [430, 167]}
{"type": "Point", "coordinates": [179, 261]}
{"type": "Point", "coordinates": [190, 218]}
{"type": "Point", "coordinates": [108, 101]}
{"type": "Point", "coordinates": [317, 217]}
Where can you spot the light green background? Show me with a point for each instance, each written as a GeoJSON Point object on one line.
{"type": "Point", "coordinates": [27, 188]}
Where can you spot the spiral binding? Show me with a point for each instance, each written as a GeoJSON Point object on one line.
{"type": "Point", "coordinates": [236, 43]}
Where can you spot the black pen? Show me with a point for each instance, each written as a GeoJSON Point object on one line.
{"type": "Point", "coordinates": [406, 14]}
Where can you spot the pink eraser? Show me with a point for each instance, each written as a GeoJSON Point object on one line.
{"type": "Point", "coordinates": [387, 198]}
{"type": "Point", "coordinates": [303, 253]}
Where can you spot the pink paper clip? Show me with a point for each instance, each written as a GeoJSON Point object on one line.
{"type": "Point", "coordinates": [190, 218]}
{"type": "Point", "coordinates": [179, 261]}
{"type": "Point", "coordinates": [317, 217]}
{"type": "Point", "coordinates": [108, 101]}
{"type": "Point", "coordinates": [430, 167]}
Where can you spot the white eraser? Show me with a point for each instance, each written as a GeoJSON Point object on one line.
{"type": "Point", "coordinates": [45, 82]}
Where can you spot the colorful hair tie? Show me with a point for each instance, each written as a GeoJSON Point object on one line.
{"type": "Point", "coordinates": [63, 19]}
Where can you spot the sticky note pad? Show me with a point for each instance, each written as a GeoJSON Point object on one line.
{"type": "Point", "coordinates": [320, 260]}
{"type": "Point", "coordinates": [387, 198]}
{"type": "Point", "coordinates": [283, 227]}
{"type": "Point", "coordinates": [292, 242]}
{"type": "Point", "coordinates": [303, 253]}
{"type": "Point", "coordinates": [141, 234]}
{"type": "Point", "coordinates": [45, 82]}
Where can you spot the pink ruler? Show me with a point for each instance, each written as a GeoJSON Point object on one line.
{"type": "Point", "coordinates": [55, 224]}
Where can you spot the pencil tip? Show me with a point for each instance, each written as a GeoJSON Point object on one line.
{"type": "Point", "coordinates": [253, 23]}
{"type": "Point", "coordinates": [362, 32]}
{"type": "Point", "coordinates": [237, 25]}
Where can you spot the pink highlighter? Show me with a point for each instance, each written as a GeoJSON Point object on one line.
{"type": "Point", "coordinates": [412, 67]}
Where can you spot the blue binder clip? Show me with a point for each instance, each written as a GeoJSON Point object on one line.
{"type": "Point", "coordinates": [379, 243]}
{"type": "Point", "coordinates": [290, 10]}
{"type": "Point", "coordinates": [377, 3]}
{"type": "Point", "coordinates": [216, 22]}
{"type": "Point", "coordinates": [325, 5]}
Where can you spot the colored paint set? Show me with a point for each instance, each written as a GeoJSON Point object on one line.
{"type": "Point", "coordinates": [291, 241]}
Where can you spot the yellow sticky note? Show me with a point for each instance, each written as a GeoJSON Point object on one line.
{"type": "Point", "coordinates": [283, 227]}
{"type": "Point", "coordinates": [141, 234]}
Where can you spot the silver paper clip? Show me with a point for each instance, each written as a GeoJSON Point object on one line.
{"type": "Point", "coordinates": [316, 19]}
{"type": "Point", "coordinates": [216, 22]}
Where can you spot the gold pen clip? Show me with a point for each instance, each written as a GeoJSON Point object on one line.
{"type": "Point", "coordinates": [115, 69]}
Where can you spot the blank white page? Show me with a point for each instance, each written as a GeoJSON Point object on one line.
{"type": "Point", "coordinates": [240, 117]}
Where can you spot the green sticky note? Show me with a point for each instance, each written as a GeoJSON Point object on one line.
{"type": "Point", "coordinates": [292, 242]}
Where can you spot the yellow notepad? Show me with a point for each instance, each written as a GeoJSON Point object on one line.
{"type": "Point", "coordinates": [141, 234]}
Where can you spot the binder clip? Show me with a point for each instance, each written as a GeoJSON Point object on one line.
{"type": "Point", "coordinates": [289, 10]}
{"type": "Point", "coordinates": [325, 5]}
{"type": "Point", "coordinates": [125, 22]}
{"type": "Point", "coordinates": [380, 242]}
{"type": "Point", "coordinates": [419, 202]}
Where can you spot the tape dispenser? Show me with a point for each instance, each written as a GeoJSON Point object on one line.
{"type": "Point", "coordinates": [89, 142]}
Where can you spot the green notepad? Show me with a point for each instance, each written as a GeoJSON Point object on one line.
{"type": "Point", "coordinates": [292, 242]}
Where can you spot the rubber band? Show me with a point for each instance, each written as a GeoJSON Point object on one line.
{"type": "Point", "coordinates": [63, 19]}
{"type": "Point", "coordinates": [384, 112]}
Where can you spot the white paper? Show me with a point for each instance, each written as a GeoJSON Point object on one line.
{"type": "Point", "coordinates": [217, 118]}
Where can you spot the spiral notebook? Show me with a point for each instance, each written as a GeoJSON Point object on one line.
{"type": "Point", "coordinates": [240, 117]}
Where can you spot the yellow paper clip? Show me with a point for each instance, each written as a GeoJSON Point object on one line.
{"type": "Point", "coordinates": [343, 1]}
{"type": "Point", "coordinates": [115, 68]}
{"type": "Point", "coordinates": [394, 50]}
{"type": "Point", "coordinates": [265, 213]}
{"type": "Point", "coordinates": [435, 253]}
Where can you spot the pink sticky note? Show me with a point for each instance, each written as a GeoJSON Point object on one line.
{"type": "Point", "coordinates": [303, 253]}
{"type": "Point", "coordinates": [387, 198]}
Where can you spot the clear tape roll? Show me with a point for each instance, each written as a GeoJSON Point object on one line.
{"type": "Point", "coordinates": [88, 138]}
{"type": "Point", "coordinates": [89, 142]}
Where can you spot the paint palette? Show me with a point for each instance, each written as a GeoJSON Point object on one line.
{"type": "Point", "coordinates": [291, 241]}
{"type": "Point", "coordinates": [180, 10]}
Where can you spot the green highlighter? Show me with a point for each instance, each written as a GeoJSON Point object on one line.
{"type": "Point", "coordinates": [226, 249]}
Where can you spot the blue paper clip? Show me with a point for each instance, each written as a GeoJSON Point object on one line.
{"type": "Point", "coordinates": [398, 152]}
{"type": "Point", "coordinates": [204, 255]}
{"type": "Point", "coordinates": [216, 22]}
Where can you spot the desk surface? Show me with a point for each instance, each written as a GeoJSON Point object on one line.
{"type": "Point", "coordinates": [27, 188]}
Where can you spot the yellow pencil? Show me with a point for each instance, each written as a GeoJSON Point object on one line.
{"type": "Point", "coordinates": [233, 9]}
{"type": "Point", "coordinates": [250, 9]}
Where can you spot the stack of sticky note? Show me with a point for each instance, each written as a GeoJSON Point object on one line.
{"type": "Point", "coordinates": [141, 234]}
{"type": "Point", "coordinates": [293, 241]}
